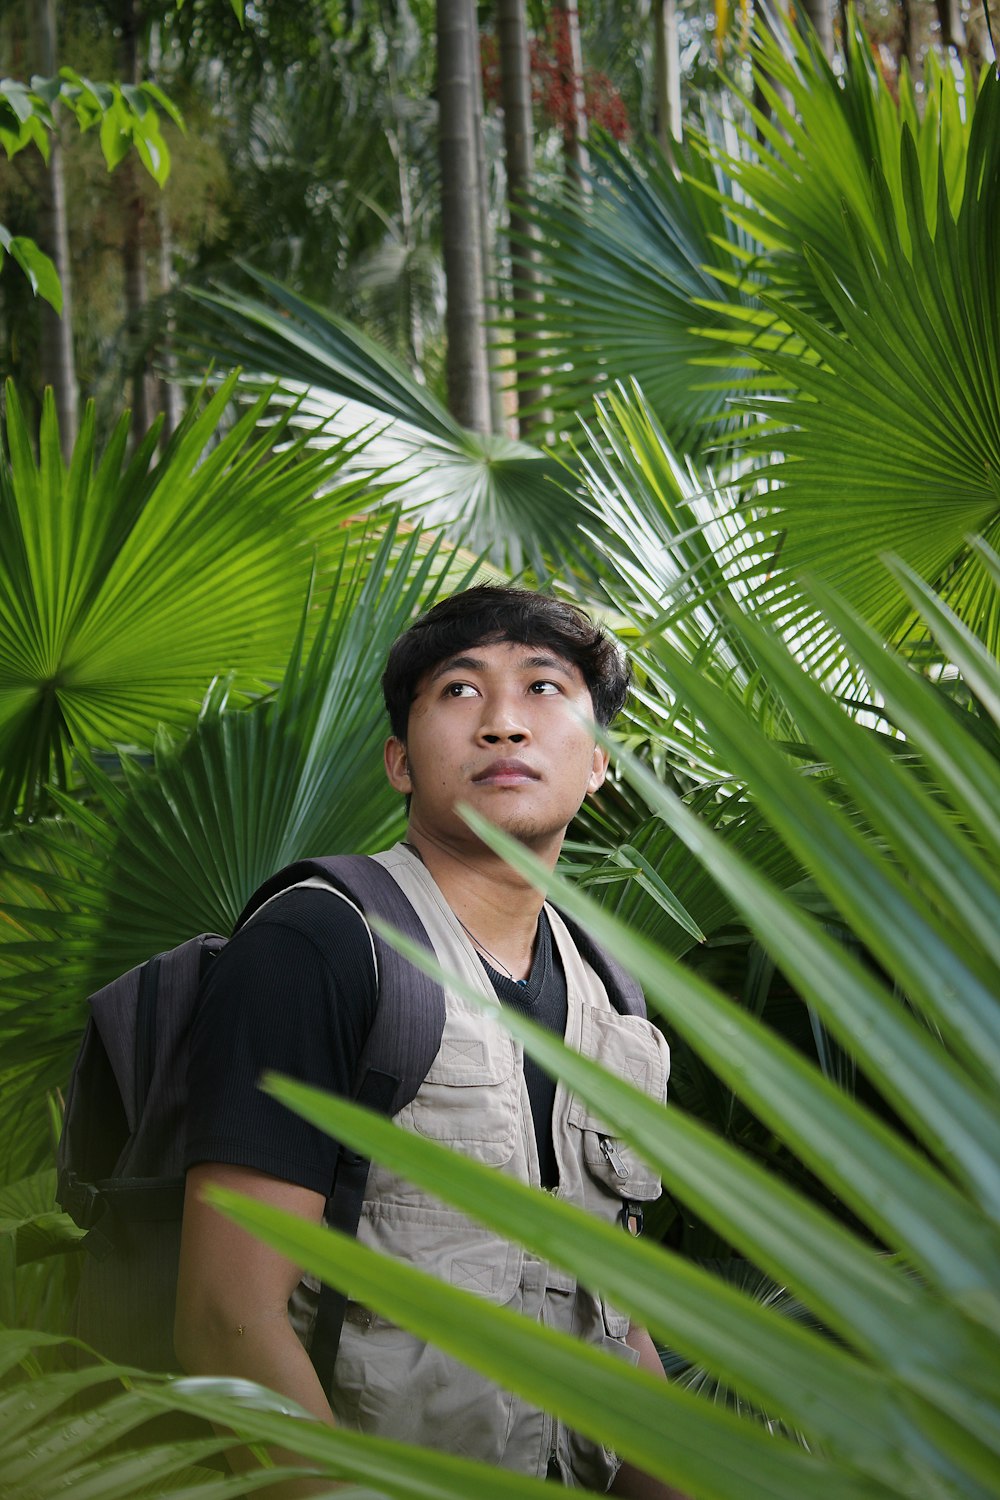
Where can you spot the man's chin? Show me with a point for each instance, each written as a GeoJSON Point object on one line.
{"type": "Point", "coordinates": [531, 832]}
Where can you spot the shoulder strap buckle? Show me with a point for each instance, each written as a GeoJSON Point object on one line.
{"type": "Point", "coordinates": [83, 1201]}
{"type": "Point", "coordinates": [631, 1217]}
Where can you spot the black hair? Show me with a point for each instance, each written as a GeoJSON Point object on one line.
{"type": "Point", "coordinates": [490, 613]}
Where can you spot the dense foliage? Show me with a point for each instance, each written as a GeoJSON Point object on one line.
{"type": "Point", "coordinates": [774, 407]}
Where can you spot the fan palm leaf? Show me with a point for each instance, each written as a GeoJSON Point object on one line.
{"type": "Point", "coordinates": [689, 557]}
{"type": "Point", "coordinates": [815, 146]}
{"type": "Point", "coordinates": [36, 1276]}
{"type": "Point", "coordinates": [500, 497]}
{"type": "Point", "coordinates": [51, 1449]}
{"type": "Point", "coordinates": [891, 431]}
{"type": "Point", "coordinates": [124, 587]}
{"type": "Point", "coordinates": [628, 282]}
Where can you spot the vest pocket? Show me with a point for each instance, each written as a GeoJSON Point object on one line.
{"type": "Point", "coordinates": [470, 1097]}
{"type": "Point", "coordinates": [446, 1244]}
{"type": "Point", "coordinates": [633, 1049]}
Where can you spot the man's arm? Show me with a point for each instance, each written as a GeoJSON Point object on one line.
{"type": "Point", "coordinates": [631, 1483]}
{"type": "Point", "coordinates": [232, 1302]}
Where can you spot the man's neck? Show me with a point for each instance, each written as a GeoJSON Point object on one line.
{"type": "Point", "coordinates": [497, 907]}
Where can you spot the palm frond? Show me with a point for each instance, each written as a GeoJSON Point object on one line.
{"type": "Point", "coordinates": [124, 587]}
{"type": "Point", "coordinates": [899, 416]}
{"type": "Point", "coordinates": [108, 1451]}
{"type": "Point", "coordinates": [500, 497]}
{"type": "Point", "coordinates": [814, 150]}
{"type": "Point", "coordinates": [690, 557]}
{"type": "Point", "coordinates": [628, 283]}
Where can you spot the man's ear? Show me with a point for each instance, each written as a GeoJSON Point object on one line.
{"type": "Point", "coordinates": [397, 767]}
{"type": "Point", "coordinates": [599, 770]}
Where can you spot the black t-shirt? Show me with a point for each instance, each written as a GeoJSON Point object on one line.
{"type": "Point", "coordinates": [295, 993]}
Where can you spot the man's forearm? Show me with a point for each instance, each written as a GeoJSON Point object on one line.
{"type": "Point", "coordinates": [271, 1355]}
{"type": "Point", "coordinates": [632, 1483]}
{"type": "Point", "coordinates": [264, 1349]}
{"type": "Point", "coordinates": [232, 1306]}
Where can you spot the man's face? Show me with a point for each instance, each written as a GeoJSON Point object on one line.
{"type": "Point", "coordinates": [507, 729]}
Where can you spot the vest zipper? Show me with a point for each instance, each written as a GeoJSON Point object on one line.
{"type": "Point", "coordinates": [612, 1155]}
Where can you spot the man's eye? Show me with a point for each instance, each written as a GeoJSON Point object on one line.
{"type": "Point", "coordinates": [459, 690]}
{"type": "Point", "coordinates": [544, 687]}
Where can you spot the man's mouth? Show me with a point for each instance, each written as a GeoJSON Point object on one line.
{"type": "Point", "coordinates": [505, 773]}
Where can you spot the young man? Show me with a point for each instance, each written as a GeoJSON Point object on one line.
{"type": "Point", "coordinates": [491, 697]}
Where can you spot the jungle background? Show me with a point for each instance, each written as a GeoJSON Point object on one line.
{"type": "Point", "coordinates": [311, 312]}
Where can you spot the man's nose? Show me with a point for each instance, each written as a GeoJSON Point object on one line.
{"type": "Point", "coordinates": [501, 724]}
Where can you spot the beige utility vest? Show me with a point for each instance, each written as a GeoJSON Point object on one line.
{"type": "Point", "coordinates": [474, 1099]}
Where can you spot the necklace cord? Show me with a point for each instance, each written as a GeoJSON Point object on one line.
{"type": "Point", "coordinates": [496, 962]}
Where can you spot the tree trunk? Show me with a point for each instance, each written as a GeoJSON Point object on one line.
{"type": "Point", "coordinates": [168, 394]}
{"type": "Point", "coordinates": [468, 380]}
{"type": "Point", "coordinates": [58, 364]}
{"type": "Point", "coordinates": [908, 48]}
{"type": "Point", "coordinates": [820, 14]}
{"type": "Point", "coordinates": [575, 128]}
{"type": "Point", "coordinates": [952, 25]}
{"type": "Point", "coordinates": [519, 155]}
{"type": "Point", "coordinates": [491, 300]}
{"type": "Point", "coordinates": [668, 77]}
{"type": "Point", "coordinates": [133, 207]}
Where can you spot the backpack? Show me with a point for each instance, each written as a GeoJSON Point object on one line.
{"type": "Point", "coordinates": [121, 1154]}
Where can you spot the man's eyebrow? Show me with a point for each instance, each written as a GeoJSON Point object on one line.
{"type": "Point", "coordinates": [550, 663]}
{"type": "Point", "coordinates": [546, 661]}
{"type": "Point", "coordinates": [457, 664]}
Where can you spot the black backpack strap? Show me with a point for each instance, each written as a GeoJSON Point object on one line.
{"type": "Point", "coordinates": [406, 1032]}
{"type": "Point", "coordinates": [400, 1047]}
{"type": "Point", "coordinates": [624, 992]}
{"type": "Point", "coordinates": [343, 1212]}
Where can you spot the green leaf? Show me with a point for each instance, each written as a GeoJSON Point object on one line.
{"type": "Point", "coordinates": [29, 1218]}
{"type": "Point", "coordinates": [657, 1426]}
{"type": "Point", "coordinates": [628, 283]}
{"type": "Point", "coordinates": [973, 659]}
{"type": "Point", "coordinates": [124, 588]}
{"type": "Point", "coordinates": [115, 133]}
{"type": "Point", "coordinates": [893, 408]}
{"type": "Point", "coordinates": [38, 268]}
{"type": "Point", "coordinates": [169, 108]}
{"type": "Point", "coordinates": [817, 1387]}
{"type": "Point", "coordinates": [499, 497]}
{"type": "Point", "coordinates": [966, 772]}
{"type": "Point", "coordinates": [152, 148]}
{"type": "Point", "coordinates": [648, 880]}
{"type": "Point", "coordinates": [947, 981]}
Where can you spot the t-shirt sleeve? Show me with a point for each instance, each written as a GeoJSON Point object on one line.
{"type": "Point", "coordinates": [294, 992]}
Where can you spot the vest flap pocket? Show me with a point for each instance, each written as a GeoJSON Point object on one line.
{"type": "Point", "coordinates": [632, 1049]}
{"type": "Point", "coordinates": [469, 1099]}
{"type": "Point", "coordinates": [447, 1244]}
{"type": "Point", "coordinates": [474, 1051]}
